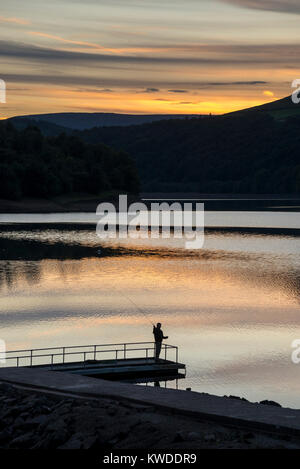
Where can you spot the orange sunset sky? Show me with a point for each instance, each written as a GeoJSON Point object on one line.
{"type": "Point", "coordinates": [147, 56]}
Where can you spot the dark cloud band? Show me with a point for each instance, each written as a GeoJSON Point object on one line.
{"type": "Point", "coordinates": [283, 6]}
{"type": "Point", "coordinates": [223, 55]}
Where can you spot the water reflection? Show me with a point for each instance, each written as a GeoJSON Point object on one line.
{"type": "Point", "coordinates": [233, 307]}
{"type": "Point", "coordinates": [171, 382]}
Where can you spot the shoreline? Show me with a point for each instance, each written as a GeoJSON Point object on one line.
{"type": "Point", "coordinates": [45, 420]}
{"type": "Point", "coordinates": [87, 204]}
{"type": "Point", "coordinates": [49, 409]}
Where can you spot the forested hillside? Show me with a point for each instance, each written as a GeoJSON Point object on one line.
{"type": "Point", "coordinates": [88, 120]}
{"type": "Point", "coordinates": [249, 153]}
{"type": "Point", "coordinates": [32, 165]}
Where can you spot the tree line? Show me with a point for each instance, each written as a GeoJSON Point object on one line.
{"type": "Point", "coordinates": [250, 153]}
{"type": "Point", "coordinates": [33, 165]}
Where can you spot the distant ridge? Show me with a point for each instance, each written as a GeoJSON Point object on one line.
{"type": "Point", "coordinates": [280, 109]}
{"type": "Point", "coordinates": [85, 120]}
{"type": "Point", "coordinates": [254, 151]}
{"type": "Point", "coordinates": [47, 128]}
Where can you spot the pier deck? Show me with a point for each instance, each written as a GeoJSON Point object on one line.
{"type": "Point", "coordinates": [120, 369]}
{"type": "Point", "coordinates": [123, 361]}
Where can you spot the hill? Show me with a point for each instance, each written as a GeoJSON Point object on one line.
{"type": "Point", "coordinates": [48, 129]}
{"type": "Point", "coordinates": [255, 150]}
{"type": "Point", "coordinates": [32, 165]}
{"type": "Point", "coordinates": [246, 152]}
{"type": "Point", "coordinates": [85, 120]}
{"type": "Point", "coordinates": [279, 109]}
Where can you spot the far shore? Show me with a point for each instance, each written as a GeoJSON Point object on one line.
{"type": "Point", "coordinates": [214, 202]}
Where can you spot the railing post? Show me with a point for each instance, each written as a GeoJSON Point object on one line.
{"type": "Point", "coordinates": [176, 354]}
{"type": "Point", "coordinates": [31, 351]}
{"type": "Point", "coordinates": [84, 356]}
{"type": "Point", "coordinates": [63, 354]}
{"type": "Point", "coordinates": [116, 355]}
{"type": "Point", "coordinates": [52, 360]}
{"type": "Point", "coordinates": [17, 361]}
{"type": "Point", "coordinates": [125, 351]}
{"type": "Point", "coordinates": [165, 352]}
{"type": "Point", "coordinates": [95, 349]}
{"type": "Point", "coordinates": [147, 353]}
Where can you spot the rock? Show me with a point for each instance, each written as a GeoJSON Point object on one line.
{"type": "Point", "coordinates": [5, 388]}
{"type": "Point", "coordinates": [45, 410]}
{"type": "Point", "coordinates": [5, 436]}
{"type": "Point", "coordinates": [52, 440]}
{"type": "Point", "coordinates": [179, 437]}
{"type": "Point", "coordinates": [12, 412]}
{"type": "Point", "coordinates": [272, 403]}
{"type": "Point", "coordinates": [237, 397]}
{"type": "Point", "coordinates": [193, 436]}
{"type": "Point", "coordinates": [94, 442]}
{"type": "Point", "coordinates": [3, 424]}
{"type": "Point", "coordinates": [112, 411]}
{"type": "Point", "coordinates": [91, 442]}
{"type": "Point", "coordinates": [53, 434]}
{"type": "Point", "coordinates": [210, 438]}
{"type": "Point", "coordinates": [59, 437]}
{"type": "Point", "coordinates": [22, 441]}
{"type": "Point", "coordinates": [18, 422]}
{"type": "Point", "coordinates": [33, 423]}
{"type": "Point", "coordinates": [9, 401]}
{"type": "Point", "coordinates": [122, 435]}
{"type": "Point", "coordinates": [113, 441]}
{"type": "Point", "coordinates": [72, 444]}
{"type": "Point", "coordinates": [75, 442]}
{"type": "Point", "coordinates": [38, 420]}
{"type": "Point", "coordinates": [80, 441]}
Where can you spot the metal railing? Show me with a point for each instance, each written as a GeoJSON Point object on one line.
{"type": "Point", "coordinates": [62, 355]}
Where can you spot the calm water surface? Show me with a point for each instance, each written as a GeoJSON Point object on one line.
{"type": "Point", "coordinates": [232, 307]}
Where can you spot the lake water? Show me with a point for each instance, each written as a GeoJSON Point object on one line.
{"type": "Point", "coordinates": [232, 307]}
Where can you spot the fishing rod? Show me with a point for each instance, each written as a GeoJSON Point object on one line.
{"type": "Point", "coordinates": [131, 301]}
{"type": "Point", "coordinates": [138, 308]}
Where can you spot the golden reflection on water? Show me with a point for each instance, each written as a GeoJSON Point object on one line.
{"type": "Point", "coordinates": [233, 312]}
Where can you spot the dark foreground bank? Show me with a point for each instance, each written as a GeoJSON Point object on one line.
{"type": "Point", "coordinates": [36, 420]}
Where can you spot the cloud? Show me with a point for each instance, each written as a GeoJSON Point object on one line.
{"type": "Point", "coordinates": [19, 21]}
{"type": "Point", "coordinates": [177, 91]}
{"type": "Point", "coordinates": [50, 55]}
{"type": "Point", "coordinates": [152, 90]}
{"type": "Point", "coordinates": [231, 55]}
{"type": "Point", "coordinates": [93, 90]}
{"type": "Point", "coordinates": [91, 45]}
{"type": "Point", "coordinates": [283, 6]}
{"type": "Point", "coordinates": [148, 90]}
{"type": "Point", "coordinates": [232, 83]}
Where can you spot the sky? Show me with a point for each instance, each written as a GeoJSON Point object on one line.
{"type": "Point", "coordinates": [146, 56]}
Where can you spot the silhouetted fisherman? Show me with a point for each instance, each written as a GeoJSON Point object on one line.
{"type": "Point", "coordinates": [158, 337]}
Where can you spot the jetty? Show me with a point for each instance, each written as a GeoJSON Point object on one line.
{"type": "Point", "coordinates": [55, 371]}
{"type": "Point", "coordinates": [116, 362]}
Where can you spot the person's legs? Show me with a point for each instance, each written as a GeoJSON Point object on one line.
{"type": "Point", "coordinates": [157, 349]}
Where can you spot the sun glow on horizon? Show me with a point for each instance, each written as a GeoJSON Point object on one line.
{"type": "Point", "coordinates": [138, 58]}
{"type": "Point", "coordinates": [56, 99]}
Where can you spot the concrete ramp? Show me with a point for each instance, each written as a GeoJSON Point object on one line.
{"type": "Point", "coordinates": [203, 406]}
